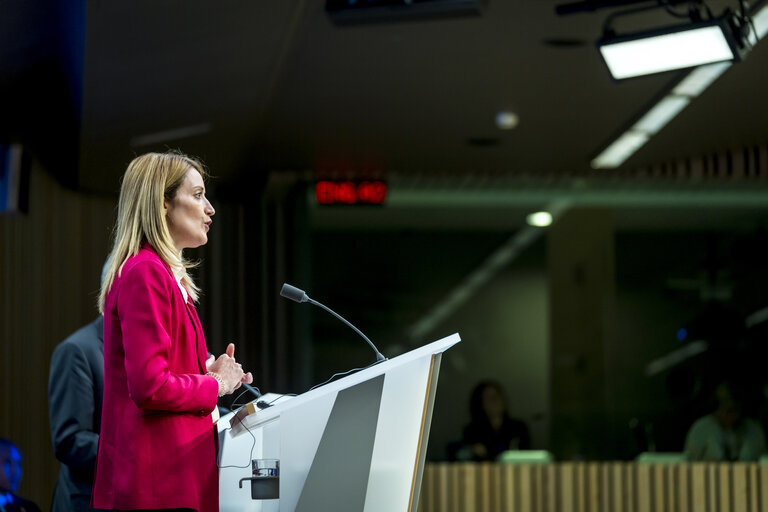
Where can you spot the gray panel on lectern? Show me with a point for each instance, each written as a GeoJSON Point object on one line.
{"type": "Point", "coordinates": [338, 477]}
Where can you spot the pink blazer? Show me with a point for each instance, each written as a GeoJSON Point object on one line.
{"type": "Point", "coordinates": [157, 447]}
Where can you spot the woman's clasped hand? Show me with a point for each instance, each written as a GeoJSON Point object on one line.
{"type": "Point", "coordinates": [228, 371]}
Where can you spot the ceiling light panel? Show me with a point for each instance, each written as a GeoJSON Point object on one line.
{"type": "Point", "coordinates": [631, 56]}
{"type": "Point", "coordinates": [760, 22]}
{"type": "Point", "coordinates": [655, 119]}
{"type": "Point", "coordinates": [699, 79]}
{"type": "Point", "coordinates": [621, 149]}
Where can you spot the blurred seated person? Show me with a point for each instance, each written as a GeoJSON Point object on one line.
{"type": "Point", "coordinates": [10, 478]}
{"type": "Point", "coordinates": [491, 430]}
{"type": "Point", "coordinates": [725, 435]}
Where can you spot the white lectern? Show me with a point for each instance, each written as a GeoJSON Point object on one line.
{"type": "Point", "coordinates": [356, 444]}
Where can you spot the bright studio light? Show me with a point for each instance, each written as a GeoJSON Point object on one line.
{"type": "Point", "coordinates": [671, 48]}
{"type": "Point", "coordinates": [539, 219]}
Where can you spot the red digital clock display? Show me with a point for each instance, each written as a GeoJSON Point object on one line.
{"type": "Point", "coordinates": [350, 192]}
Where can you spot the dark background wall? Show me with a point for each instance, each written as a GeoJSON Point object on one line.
{"type": "Point", "coordinates": [390, 280]}
{"type": "Point", "coordinates": [50, 263]}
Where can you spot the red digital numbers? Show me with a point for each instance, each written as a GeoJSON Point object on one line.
{"type": "Point", "coordinates": [350, 192]}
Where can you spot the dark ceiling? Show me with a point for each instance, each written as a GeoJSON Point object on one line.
{"type": "Point", "coordinates": [253, 86]}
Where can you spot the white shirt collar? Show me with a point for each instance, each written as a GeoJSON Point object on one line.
{"type": "Point", "coordinates": [179, 274]}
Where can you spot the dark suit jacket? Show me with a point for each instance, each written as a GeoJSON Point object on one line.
{"type": "Point", "coordinates": [75, 390]}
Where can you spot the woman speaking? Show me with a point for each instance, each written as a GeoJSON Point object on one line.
{"type": "Point", "coordinates": [157, 448]}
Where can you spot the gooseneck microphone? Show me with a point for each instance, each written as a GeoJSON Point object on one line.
{"type": "Point", "coordinates": [293, 293]}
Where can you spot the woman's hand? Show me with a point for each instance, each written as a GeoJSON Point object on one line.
{"type": "Point", "coordinates": [229, 371]}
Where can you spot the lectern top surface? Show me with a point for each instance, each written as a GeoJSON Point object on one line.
{"type": "Point", "coordinates": [267, 414]}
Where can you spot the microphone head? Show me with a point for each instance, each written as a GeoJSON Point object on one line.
{"type": "Point", "coordinates": [293, 293]}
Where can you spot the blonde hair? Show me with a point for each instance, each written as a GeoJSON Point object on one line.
{"type": "Point", "coordinates": [148, 182]}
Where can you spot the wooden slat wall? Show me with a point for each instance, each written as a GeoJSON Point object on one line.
{"type": "Point", "coordinates": [50, 263]}
{"type": "Point", "coordinates": [594, 487]}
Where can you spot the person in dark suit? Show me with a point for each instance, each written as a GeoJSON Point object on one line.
{"type": "Point", "coordinates": [10, 477]}
{"type": "Point", "coordinates": [75, 390]}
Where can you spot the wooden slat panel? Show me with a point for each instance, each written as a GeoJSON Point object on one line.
{"type": "Point", "coordinates": [672, 501]}
{"type": "Point", "coordinates": [580, 487]}
{"type": "Point", "coordinates": [439, 487]}
{"type": "Point", "coordinates": [644, 488]}
{"type": "Point", "coordinates": [539, 488]}
{"type": "Point", "coordinates": [433, 489]}
{"type": "Point", "coordinates": [427, 491]}
{"type": "Point", "coordinates": [605, 490]}
{"type": "Point", "coordinates": [763, 169]}
{"type": "Point", "coordinates": [659, 487]}
{"type": "Point", "coordinates": [713, 494]}
{"type": "Point", "coordinates": [446, 488]}
{"type": "Point", "coordinates": [517, 490]}
{"type": "Point", "coordinates": [722, 164]}
{"type": "Point", "coordinates": [724, 486]}
{"type": "Point", "coordinates": [755, 492]}
{"type": "Point", "coordinates": [552, 474]}
{"type": "Point", "coordinates": [697, 167]}
{"type": "Point", "coordinates": [454, 497]}
{"type": "Point", "coordinates": [763, 479]}
{"type": "Point", "coordinates": [738, 164]}
{"type": "Point", "coordinates": [526, 487]}
{"type": "Point", "coordinates": [594, 485]}
{"type": "Point", "coordinates": [740, 487]}
{"type": "Point", "coordinates": [567, 490]}
{"type": "Point", "coordinates": [424, 492]}
{"type": "Point", "coordinates": [683, 488]}
{"type": "Point", "coordinates": [508, 488]}
{"type": "Point", "coordinates": [630, 486]}
{"type": "Point", "coordinates": [514, 489]}
{"type": "Point", "coordinates": [699, 487]}
{"type": "Point", "coordinates": [617, 484]}
{"type": "Point", "coordinates": [483, 487]}
{"type": "Point", "coordinates": [432, 472]}
{"type": "Point", "coordinates": [496, 488]}
{"type": "Point", "coordinates": [470, 489]}
{"type": "Point", "coordinates": [753, 504]}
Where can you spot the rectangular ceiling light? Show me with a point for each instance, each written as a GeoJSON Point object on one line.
{"type": "Point", "coordinates": [661, 113]}
{"type": "Point", "coordinates": [620, 150]}
{"type": "Point", "coordinates": [760, 21]}
{"type": "Point", "coordinates": [677, 47]}
{"type": "Point", "coordinates": [699, 79]}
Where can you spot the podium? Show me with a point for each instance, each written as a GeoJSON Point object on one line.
{"type": "Point", "coordinates": [356, 444]}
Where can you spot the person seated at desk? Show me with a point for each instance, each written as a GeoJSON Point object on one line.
{"type": "Point", "coordinates": [491, 430]}
{"type": "Point", "coordinates": [10, 478]}
{"type": "Point", "coordinates": [725, 435]}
